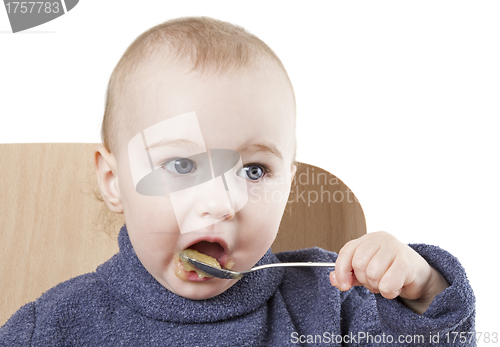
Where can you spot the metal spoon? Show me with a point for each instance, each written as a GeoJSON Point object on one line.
{"type": "Point", "coordinates": [228, 274]}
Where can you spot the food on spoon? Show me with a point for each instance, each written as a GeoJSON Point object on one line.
{"type": "Point", "coordinates": [191, 253]}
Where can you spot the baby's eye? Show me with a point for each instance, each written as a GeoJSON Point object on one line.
{"type": "Point", "coordinates": [253, 171]}
{"type": "Point", "coordinates": [181, 166]}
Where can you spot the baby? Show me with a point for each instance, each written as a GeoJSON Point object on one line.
{"type": "Point", "coordinates": [199, 125]}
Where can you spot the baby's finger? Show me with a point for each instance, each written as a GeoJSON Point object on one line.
{"type": "Point", "coordinates": [361, 259]}
{"type": "Point", "coordinates": [355, 282]}
{"type": "Point", "coordinates": [378, 266]}
{"type": "Point", "coordinates": [333, 279]}
{"type": "Point", "coordinates": [343, 267]}
{"type": "Point", "coordinates": [392, 282]}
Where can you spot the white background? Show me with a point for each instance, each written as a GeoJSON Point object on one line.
{"type": "Point", "coordinates": [398, 99]}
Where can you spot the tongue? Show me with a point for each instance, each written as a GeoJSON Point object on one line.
{"type": "Point", "coordinates": [212, 249]}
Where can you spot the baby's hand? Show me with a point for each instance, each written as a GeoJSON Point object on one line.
{"type": "Point", "coordinates": [382, 264]}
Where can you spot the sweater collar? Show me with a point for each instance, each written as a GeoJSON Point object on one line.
{"type": "Point", "coordinates": [130, 282]}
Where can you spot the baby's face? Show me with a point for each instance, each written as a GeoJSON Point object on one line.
{"type": "Point", "coordinates": [250, 117]}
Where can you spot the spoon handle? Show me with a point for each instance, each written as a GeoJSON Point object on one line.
{"type": "Point", "coordinates": [288, 265]}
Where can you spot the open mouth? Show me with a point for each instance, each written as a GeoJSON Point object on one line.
{"type": "Point", "coordinates": [211, 253]}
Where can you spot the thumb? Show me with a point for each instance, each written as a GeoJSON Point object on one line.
{"type": "Point", "coordinates": [333, 280]}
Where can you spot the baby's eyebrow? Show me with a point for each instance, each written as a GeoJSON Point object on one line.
{"type": "Point", "coordinates": [179, 143]}
{"type": "Point", "coordinates": [267, 147]}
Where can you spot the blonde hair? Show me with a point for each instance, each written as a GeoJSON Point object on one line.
{"type": "Point", "coordinates": [209, 45]}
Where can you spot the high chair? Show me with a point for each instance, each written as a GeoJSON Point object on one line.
{"type": "Point", "coordinates": [52, 225]}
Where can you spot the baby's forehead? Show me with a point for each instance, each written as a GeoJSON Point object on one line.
{"type": "Point", "coordinates": [159, 98]}
{"type": "Point", "coordinates": [191, 134]}
{"type": "Point", "coordinates": [179, 92]}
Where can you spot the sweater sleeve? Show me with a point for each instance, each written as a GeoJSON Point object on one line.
{"type": "Point", "coordinates": [18, 330]}
{"type": "Point", "coordinates": [449, 320]}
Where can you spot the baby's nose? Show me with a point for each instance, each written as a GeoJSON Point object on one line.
{"type": "Point", "coordinates": [216, 203]}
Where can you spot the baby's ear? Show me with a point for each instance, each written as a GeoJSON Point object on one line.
{"type": "Point", "coordinates": [107, 180]}
{"type": "Point", "coordinates": [293, 170]}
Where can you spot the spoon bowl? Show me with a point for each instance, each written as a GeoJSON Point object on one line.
{"type": "Point", "coordinates": [228, 274]}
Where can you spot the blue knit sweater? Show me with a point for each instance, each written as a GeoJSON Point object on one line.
{"type": "Point", "coordinates": [121, 304]}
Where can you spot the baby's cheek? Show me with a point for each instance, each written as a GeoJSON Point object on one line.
{"type": "Point", "coordinates": [152, 215]}
{"type": "Point", "coordinates": [261, 228]}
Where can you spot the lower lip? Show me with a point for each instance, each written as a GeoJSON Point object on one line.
{"type": "Point", "coordinates": [191, 276]}
{"type": "Point", "coordinates": [194, 277]}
